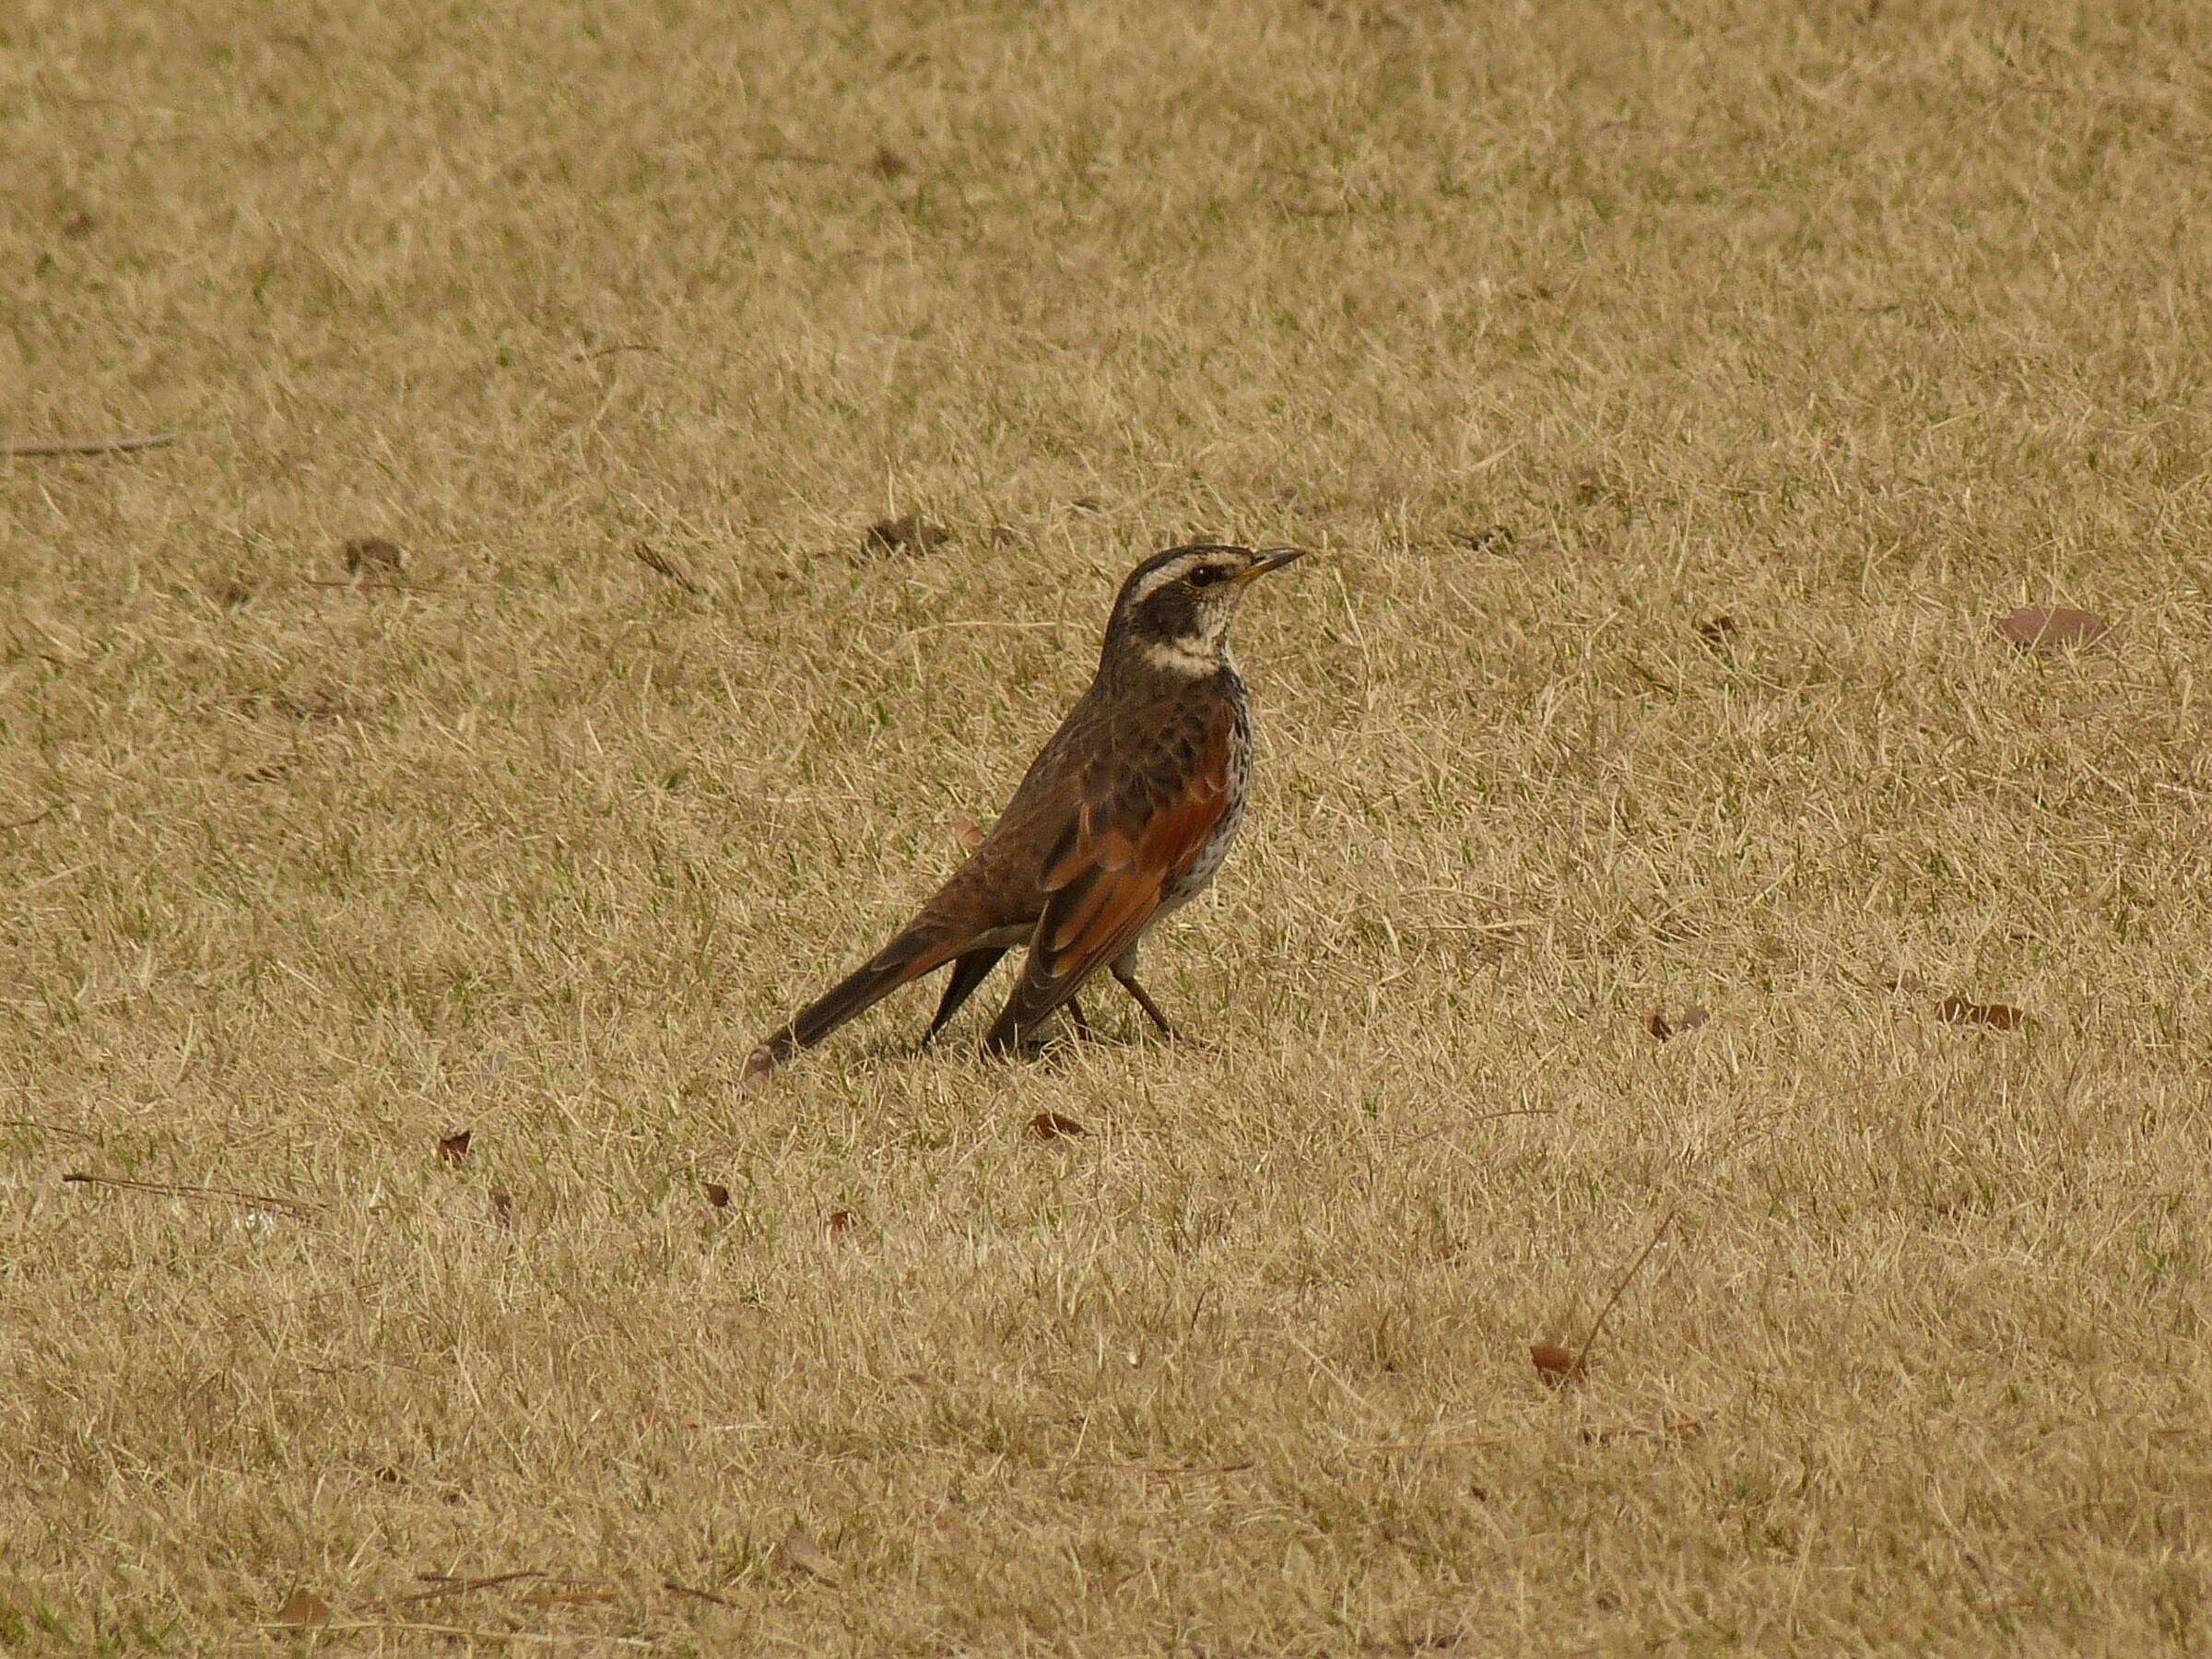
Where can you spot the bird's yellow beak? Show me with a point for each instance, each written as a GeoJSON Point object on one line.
{"type": "Point", "coordinates": [1274, 558]}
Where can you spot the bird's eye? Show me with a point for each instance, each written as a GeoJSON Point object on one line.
{"type": "Point", "coordinates": [1206, 575]}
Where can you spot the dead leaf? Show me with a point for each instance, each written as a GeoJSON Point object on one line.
{"type": "Point", "coordinates": [966, 831]}
{"type": "Point", "coordinates": [2055, 628]}
{"type": "Point", "coordinates": [840, 1226]}
{"type": "Point", "coordinates": [1497, 540]}
{"type": "Point", "coordinates": [1689, 1019]}
{"type": "Point", "coordinates": [717, 1194]}
{"type": "Point", "coordinates": [303, 1609]}
{"type": "Point", "coordinates": [802, 1554]}
{"type": "Point", "coordinates": [1997, 1017]}
{"type": "Point", "coordinates": [1555, 1366]}
{"type": "Point", "coordinates": [1053, 1125]}
{"type": "Point", "coordinates": [759, 1066]}
{"type": "Point", "coordinates": [372, 553]}
{"type": "Point", "coordinates": [912, 534]}
{"type": "Point", "coordinates": [1588, 485]}
{"type": "Point", "coordinates": [1960, 1200]}
{"type": "Point", "coordinates": [454, 1147]}
{"type": "Point", "coordinates": [319, 703]}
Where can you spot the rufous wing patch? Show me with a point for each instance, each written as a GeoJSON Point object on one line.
{"type": "Point", "coordinates": [1113, 867]}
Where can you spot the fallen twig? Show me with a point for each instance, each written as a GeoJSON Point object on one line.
{"type": "Point", "coordinates": [467, 1632]}
{"type": "Point", "coordinates": [1583, 1358]}
{"type": "Point", "coordinates": [50, 1128]}
{"type": "Point", "coordinates": [705, 1595]}
{"type": "Point", "coordinates": [797, 158]}
{"type": "Point", "coordinates": [658, 563]}
{"type": "Point", "coordinates": [36, 818]}
{"type": "Point", "coordinates": [1455, 1442]}
{"type": "Point", "coordinates": [1510, 924]}
{"type": "Point", "coordinates": [446, 1584]}
{"type": "Point", "coordinates": [1164, 1471]}
{"type": "Point", "coordinates": [173, 1190]}
{"type": "Point", "coordinates": [85, 446]}
{"type": "Point", "coordinates": [359, 582]}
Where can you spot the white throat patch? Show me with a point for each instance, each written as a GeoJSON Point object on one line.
{"type": "Point", "coordinates": [1179, 656]}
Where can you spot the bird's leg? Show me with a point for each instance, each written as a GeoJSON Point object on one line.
{"type": "Point", "coordinates": [1027, 1042]}
{"type": "Point", "coordinates": [1127, 981]}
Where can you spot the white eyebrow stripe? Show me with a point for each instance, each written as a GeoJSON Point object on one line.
{"type": "Point", "coordinates": [1160, 578]}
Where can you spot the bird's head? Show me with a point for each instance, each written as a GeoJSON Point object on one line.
{"type": "Point", "coordinates": [1173, 614]}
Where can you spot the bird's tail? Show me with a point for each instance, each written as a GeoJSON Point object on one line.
{"type": "Point", "coordinates": [971, 969]}
{"type": "Point", "coordinates": [920, 949]}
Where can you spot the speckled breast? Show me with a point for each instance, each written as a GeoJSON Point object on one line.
{"type": "Point", "coordinates": [1239, 784]}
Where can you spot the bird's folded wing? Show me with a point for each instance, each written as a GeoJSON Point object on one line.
{"type": "Point", "coordinates": [1128, 843]}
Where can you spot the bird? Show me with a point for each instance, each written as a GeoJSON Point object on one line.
{"type": "Point", "coordinates": [1123, 817]}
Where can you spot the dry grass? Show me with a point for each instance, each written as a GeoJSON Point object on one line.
{"type": "Point", "coordinates": [1857, 326]}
